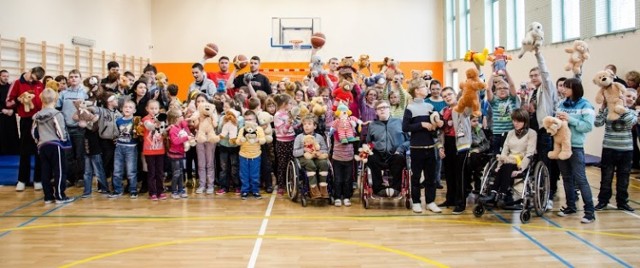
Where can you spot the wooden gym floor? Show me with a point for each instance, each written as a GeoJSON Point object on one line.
{"type": "Point", "coordinates": [224, 231]}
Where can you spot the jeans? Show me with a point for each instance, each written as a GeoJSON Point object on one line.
{"type": "Point", "coordinates": [75, 155]}
{"type": "Point", "coordinates": [422, 164]}
{"type": "Point", "coordinates": [619, 162]}
{"type": "Point", "coordinates": [250, 174]}
{"type": "Point", "coordinates": [342, 179]}
{"type": "Point", "coordinates": [177, 186]}
{"type": "Point", "coordinates": [125, 158]}
{"type": "Point", "coordinates": [93, 166]}
{"type": "Point", "coordinates": [574, 174]}
{"type": "Point", "coordinates": [229, 167]}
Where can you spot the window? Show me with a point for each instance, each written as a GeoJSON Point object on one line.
{"type": "Point", "coordinates": [494, 36]}
{"type": "Point", "coordinates": [615, 15]}
{"type": "Point", "coordinates": [566, 20]}
{"type": "Point", "coordinates": [515, 23]}
{"type": "Point", "coordinates": [464, 32]}
{"type": "Point", "coordinates": [451, 30]}
{"type": "Point", "coordinates": [455, 80]}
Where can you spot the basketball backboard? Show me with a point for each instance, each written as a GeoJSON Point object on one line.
{"type": "Point", "coordinates": [284, 29]}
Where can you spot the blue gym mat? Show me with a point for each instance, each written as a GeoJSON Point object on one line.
{"type": "Point", "coordinates": [9, 169]}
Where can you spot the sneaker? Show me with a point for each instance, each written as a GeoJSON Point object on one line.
{"type": "Point", "coordinates": [221, 191]}
{"type": "Point", "coordinates": [434, 208]}
{"type": "Point", "coordinates": [391, 192]}
{"type": "Point", "coordinates": [601, 206]}
{"type": "Point", "coordinates": [244, 196]}
{"type": "Point", "coordinates": [237, 191]}
{"type": "Point", "coordinates": [200, 190]}
{"type": "Point", "coordinates": [625, 207]}
{"type": "Point", "coordinates": [20, 186]}
{"type": "Point", "coordinates": [65, 200]}
{"type": "Point", "coordinates": [588, 218]}
{"type": "Point", "coordinates": [416, 207]}
{"type": "Point", "coordinates": [269, 189]}
{"type": "Point", "coordinates": [162, 197]}
{"type": "Point", "coordinates": [337, 203]}
{"type": "Point", "coordinates": [133, 196]}
{"type": "Point", "coordinates": [184, 194]}
{"type": "Point", "coordinates": [114, 195]}
{"type": "Point", "coordinates": [566, 212]}
{"type": "Point", "coordinates": [257, 196]}
{"type": "Point", "coordinates": [280, 192]}
{"type": "Point", "coordinates": [439, 186]}
{"type": "Point", "coordinates": [85, 196]}
{"type": "Point", "coordinates": [457, 210]}
{"type": "Point", "coordinates": [37, 186]}
{"type": "Point", "coordinates": [346, 202]}
{"type": "Point", "coordinates": [102, 191]}
{"type": "Point", "coordinates": [175, 196]}
{"type": "Point", "coordinates": [210, 190]}
{"type": "Point", "coordinates": [382, 193]}
{"type": "Point", "coordinates": [154, 197]}
{"type": "Point", "coordinates": [550, 205]}
{"type": "Point", "coordinates": [48, 201]}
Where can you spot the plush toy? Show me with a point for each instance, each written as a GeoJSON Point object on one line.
{"type": "Point", "coordinates": [343, 93]}
{"type": "Point", "coordinates": [251, 133]}
{"type": "Point", "coordinates": [83, 116]}
{"type": "Point", "coordinates": [533, 38]}
{"type": "Point", "coordinates": [363, 62]}
{"type": "Point", "coordinates": [364, 152]}
{"type": "Point", "coordinates": [469, 97]}
{"type": "Point", "coordinates": [304, 109]}
{"type": "Point", "coordinates": [93, 88]}
{"type": "Point", "coordinates": [345, 124]}
{"type": "Point", "coordinates": [312, 148]}
{"type": "Point", "coordinates": [511, 159]}
{"type": "Point", "coordinates": [290, 88]}
{"type": "Point", "coordinates": [207, 124]}
{"type": "Point", "coordinates": [427, 75]}
{"type": "Point", "coordinates": [138, 130]}
{"type": "Point", "coordinates": [375, 79]}
{"type": "Point", "coordinates": [26, 98]}
{"type": "Point", "coordinates": [416, 80]}
{"type": "Point", "coordinates": [610, 92]}
{"type": "Point", "coordinates": [318, 107]}
{"type": "Point", "coordinates": [499, 60]}
{"type": "Point", "coordinates": [229, 126]}
{"type": "Point", "coordinates": [53, 84]}
{"type": "Point", "coordinates": [475, 57]}
{"type": "Point", "coordinates": [559, 129]}
{"type": "Point", "coordinates": [392, 69]}
{"type": "Point", "coordinates": [436, 120]}
{"type": "Point", "coordinates": [578, 54]}
{"type": "Point", "coordinates": [316, 66]}
{"type": "Point", "coordinates": [264, 120]}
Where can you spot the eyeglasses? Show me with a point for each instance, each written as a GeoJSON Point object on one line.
{"type": "Point", "coordinates": [502, 88]}
{"type": "Point", "coordinates": [380, 108]}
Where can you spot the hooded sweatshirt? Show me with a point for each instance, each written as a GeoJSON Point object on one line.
{"type": "Point", "coordinates": [49, 128]}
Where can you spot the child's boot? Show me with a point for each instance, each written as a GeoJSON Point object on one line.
{"type": "Point", "coordinates": [323, 190]}
{"type": "Point", "coordinates": [314, 191]}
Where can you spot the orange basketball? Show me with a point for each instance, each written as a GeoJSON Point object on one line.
{"type": "Point", "coordinates": [211, 50]}
{"type": "Point", "coordinates": [317, 40]}
{"type": "Point", "coordinates": [240, 61]}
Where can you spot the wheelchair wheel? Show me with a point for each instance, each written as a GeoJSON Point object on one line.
{"type": "Point", "coordinates": [407, 202]}
{"type": "Point", "coordinates": [303, 200]}
{"type": "Point", "coordinates": [488, 177]}
{"type": "Point", "coordinates": [525, 216]}
{"type": "Point", "coordinates": [292, 180]}
{"type": "Point", "coordinates": [478, 210]}
{"type": "Point", "coordinates": [541, 188]}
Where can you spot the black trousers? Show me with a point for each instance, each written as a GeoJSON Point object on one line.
{"type": "Point", "coordinates": [453, 164]}
{"type": "Point", "coordinates": [379, 162]}
{"type": "Point", "coordinates": [423, 163]}
{"type": "Point", "coordinates": [343, 179]}
{"type": "Point", "coordinates": [75, 155]}
{"type": "Point", "coordinates": [9, 140]}
{"type": "Point", "coordinates": [27, 149]}
{"type": "Point", "coordinates": [54, 166]}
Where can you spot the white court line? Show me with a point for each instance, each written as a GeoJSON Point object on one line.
{"type": "Point", "coordinates": [263, 229]}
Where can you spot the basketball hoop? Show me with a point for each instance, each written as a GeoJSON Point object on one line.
{"type": "Point", "coordinates": [296, 44]}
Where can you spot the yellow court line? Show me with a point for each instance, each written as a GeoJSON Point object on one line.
{"type": "Point", "coordinates": [346, 218]}
{"type": "Point", "coordinates": [236, 237]}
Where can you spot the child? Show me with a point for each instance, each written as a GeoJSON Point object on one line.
{"type": "Point", "coordinates": [476, 161]}
{"type": "Point", "coordinates": [284, 129]}
{"type": "Point", "coordinates": [317, 167]}
{"type": "Point", "coordinates": [396, 110]}
{"type": "Point", "coordinates": [517, 152]}
{"type": "Point", "coordinates": [179, 134]}
{"type": "Point", "coordinates": [173, 96]}
{"type": "Point", "coordinates": [206, 152]}
{"type": "Point", "coordinates": [250, 156]}
{"type": "Point", "coordinates": [93, 162]}
{"type": "Point", "coordinates": [616, 155]}
{"type": "Point", "coordinates": [435, 99]}
{"type": "Point", "coordinates": [107, 130]}
{"type": "Point", "coordinates": [367, 111]}
{"type": "Point", "coordinates": [325, 93]}
{"type": "Point", "coordinates": [50, 133]}
{"type": "Point", "coordinates": [153, 151]}
{"type": "Point", "coordinates": [502, 104]}
{"type": "Point", "coordinates": [228, 153]}
{"type": "Point", "coordinates": [265, 166]}
{"type": "Point", "coordinates": [342, 172]}
{"type": "Point", "coordinates": [126, 154]}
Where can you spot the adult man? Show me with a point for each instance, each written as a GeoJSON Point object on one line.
{"type": "Point", "coordinates": [75, 155]}
{"type": "Point", "coordinates": [8, 123]}
{"type": "Point", "coordinates": [28, 82]}
{"type": "Point", "coordinates": [389, 147]}
{"type": "Point", "coordinates": [220, 78]}
{"type": "Point", "coordinates": [113, 68]}
{"type": "Point", "coordinates": [201, 83]}
{"type": "Point", "coordinates": [258, 80]}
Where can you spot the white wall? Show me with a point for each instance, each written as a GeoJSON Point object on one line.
{"type": "Point", "coordinates": [408, 30]}
{"type": "Point", "coordinates": [120, 26]}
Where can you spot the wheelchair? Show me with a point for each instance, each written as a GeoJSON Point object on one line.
{"type": "Point", "coordinates": [365, 183]}
{"type": "Point", "coordinates": [297, 183]}
{"type": "Point", "coordinates": [531, 187]}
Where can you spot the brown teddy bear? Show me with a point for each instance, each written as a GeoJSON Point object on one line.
{"type": "Point", "coordinates": [83, 116]}
{"type": "Point", "coordinates": [53, 84]}
{"type": "Point", "coordinates": [578, 54]}
{"type": "Point", "coordinates": [611, 92]}
{"type": "Point", "coordinates": [318, 107]}
{"type": "Point", "coordinates": [312, 148]}
{"type": "Point", "coordinates": [363, 61]}
{"type": "Point", "coordinates": [229, 126]}
{"type": "Point", "coordinates": [26, 99]}
{"type": "Point", "coordinates": [470, 88]}
{"type": "Point", "coordinates": [416, 80]}
{"type": "Point", "coordinates": [559, 130]}
{"type": "Point", "coordinates": [208, 121]}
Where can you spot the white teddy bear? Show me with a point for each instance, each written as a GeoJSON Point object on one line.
{"type": "Point", "coordinates": [532, 39]}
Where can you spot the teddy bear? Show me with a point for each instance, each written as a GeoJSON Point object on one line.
{"type": "Point", "coordinates": [343, 93]}
{"type": "Point", "coordinates": [26, 98]}
{"type": "Point", "coordinates": [345, 124]}
{"type": "Point", "coordinates": [53, 84]}
{"type": "Point", "coordinates": [610, 92]}
{"type": "Point", "coordinates": [229, 126]}
{"type": "Point", "coordinates": [364, 152]}
{"type": "Point", "coordinates": [264, 120]}
{"type": "Point", "coordinates": [578, 54]}
{"type": "Point", "coordinates": [469, 97]}
{"type": "Point", "coordinates": [559, 129]}
{"type": "Point", "coordinates": [427, 75]}
{"type": "Point", "coordinates": [318, 107]}
{"type": "Point", "coordinates": [304, 109]}
{"type": "Point", "coordinates": [138, 130]}
{"type": "Point", "coordinates": [207, 124]}
{"type": "Point", "coordinates": [499, 60]}
{"type": "Point", "coordinates": [436, 120]}
{"type": "Point", "coordinates": [83, 116]}
{"type": "Point", "coordinates": [532, 39]}
{"type": "Point", "coordinates": [316, 66]}
{"type": "Point", "coordinates": [476, 57]}
{"type": "Point", "coordinates": [312, 148]}
{"type": "Point", "coordinates": [511, 159]}
{"type": "Point", "coordinates": [416, 80]}
{"type": "Point", "coordinates": [363, 61]}
{"type": "Point", "coordinates": [251, 133]}
{"type": "Point", "coordinates": [290, 88]}
{"type": "Point", "coordinates": [93, 88]}
{"type": "Point", "coordinates": [391, 69]}
{"type": "Point", "coordinates": [375, 79]}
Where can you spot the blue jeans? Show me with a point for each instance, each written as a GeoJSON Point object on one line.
{"type": "Point", "coordinates": [250, 174]}
{"type": "Point", "coordinates": [125, 157]}
{"type": "Point", "coordinates": [574, 174]}
{"type": "Point", "coordinates": [176, 179]}
{"type": "Point", "coordinates": [93, 166]}
{"type": "Point", "coordinates": [620, 162]}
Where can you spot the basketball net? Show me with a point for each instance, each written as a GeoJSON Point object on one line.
{"type": "Point", "coordinates": [296, 44]}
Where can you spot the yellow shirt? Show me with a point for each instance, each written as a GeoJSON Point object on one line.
{"type": "Point", "coordinates": [250, 147]}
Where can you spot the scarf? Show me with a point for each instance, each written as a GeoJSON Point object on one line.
{"type": "Point", "coordinates": [523, 131]}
